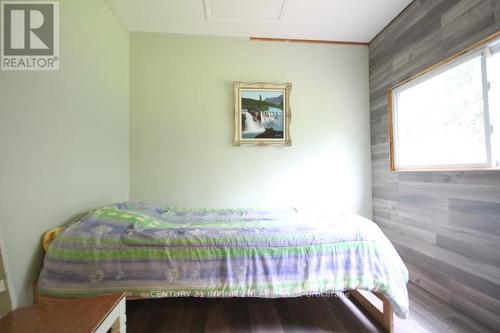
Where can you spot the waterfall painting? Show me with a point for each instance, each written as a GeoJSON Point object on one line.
{"type": "Point", "coordinates": [262, 113]}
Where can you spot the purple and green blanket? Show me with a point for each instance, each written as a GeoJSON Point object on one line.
{"type": "Point", "coordinates": [148, 251]}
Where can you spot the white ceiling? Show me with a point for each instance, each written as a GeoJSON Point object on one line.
{"type": "Point", "coordinates": [340, 20]}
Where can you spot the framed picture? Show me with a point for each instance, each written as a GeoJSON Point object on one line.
{"type": "Point", "coordinates": [262, 113]}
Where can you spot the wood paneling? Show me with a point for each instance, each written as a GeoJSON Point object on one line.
{"type": "Point", "coordinates": [445, 225]}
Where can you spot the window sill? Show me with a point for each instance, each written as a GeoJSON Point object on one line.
{"type": "Point", "coordinates": [444, 169]}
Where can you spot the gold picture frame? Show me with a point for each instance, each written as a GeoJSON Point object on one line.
{"type": "Point", "coordinates": [262, 113]}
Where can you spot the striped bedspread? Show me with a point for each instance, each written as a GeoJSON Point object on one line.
{"type": "Point", "coordinates": [148, 251]}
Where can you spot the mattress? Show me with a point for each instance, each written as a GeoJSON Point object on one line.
{"type": "Point", "coordinates": [148, 251]}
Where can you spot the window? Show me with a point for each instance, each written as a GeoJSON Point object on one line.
{"type": "Point", "coordinates": [447, 118]}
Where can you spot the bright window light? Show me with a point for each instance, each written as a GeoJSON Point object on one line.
{"type": "Point", "coordinates": [494, 104]}
{"type": "Point", "coordinates": [445, 119]}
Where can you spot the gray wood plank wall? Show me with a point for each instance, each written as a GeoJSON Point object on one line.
{"type": "Point", "coordinates": [445, 225]}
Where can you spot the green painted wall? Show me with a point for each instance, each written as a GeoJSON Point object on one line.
{"type": "Point", "coordinates": [64, 136]}
{"type": "Point", "coordinates": [182, 124]}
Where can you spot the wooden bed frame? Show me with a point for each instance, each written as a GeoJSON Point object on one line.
{"type": "Point", "coordinates": [383, 316]}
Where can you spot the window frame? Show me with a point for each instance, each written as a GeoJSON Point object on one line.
{"type": "Point", "coordinates": [481, 49]}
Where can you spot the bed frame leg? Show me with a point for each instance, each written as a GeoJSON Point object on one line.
{"type": "Point", "coordinates": [385, 317]}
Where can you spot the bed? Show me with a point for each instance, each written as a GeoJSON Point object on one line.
{"type": "Point", "coordinates": [148, 251]}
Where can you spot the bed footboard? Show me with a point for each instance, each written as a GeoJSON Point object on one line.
{"type": "Point", "coordinates": [384, 316]}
